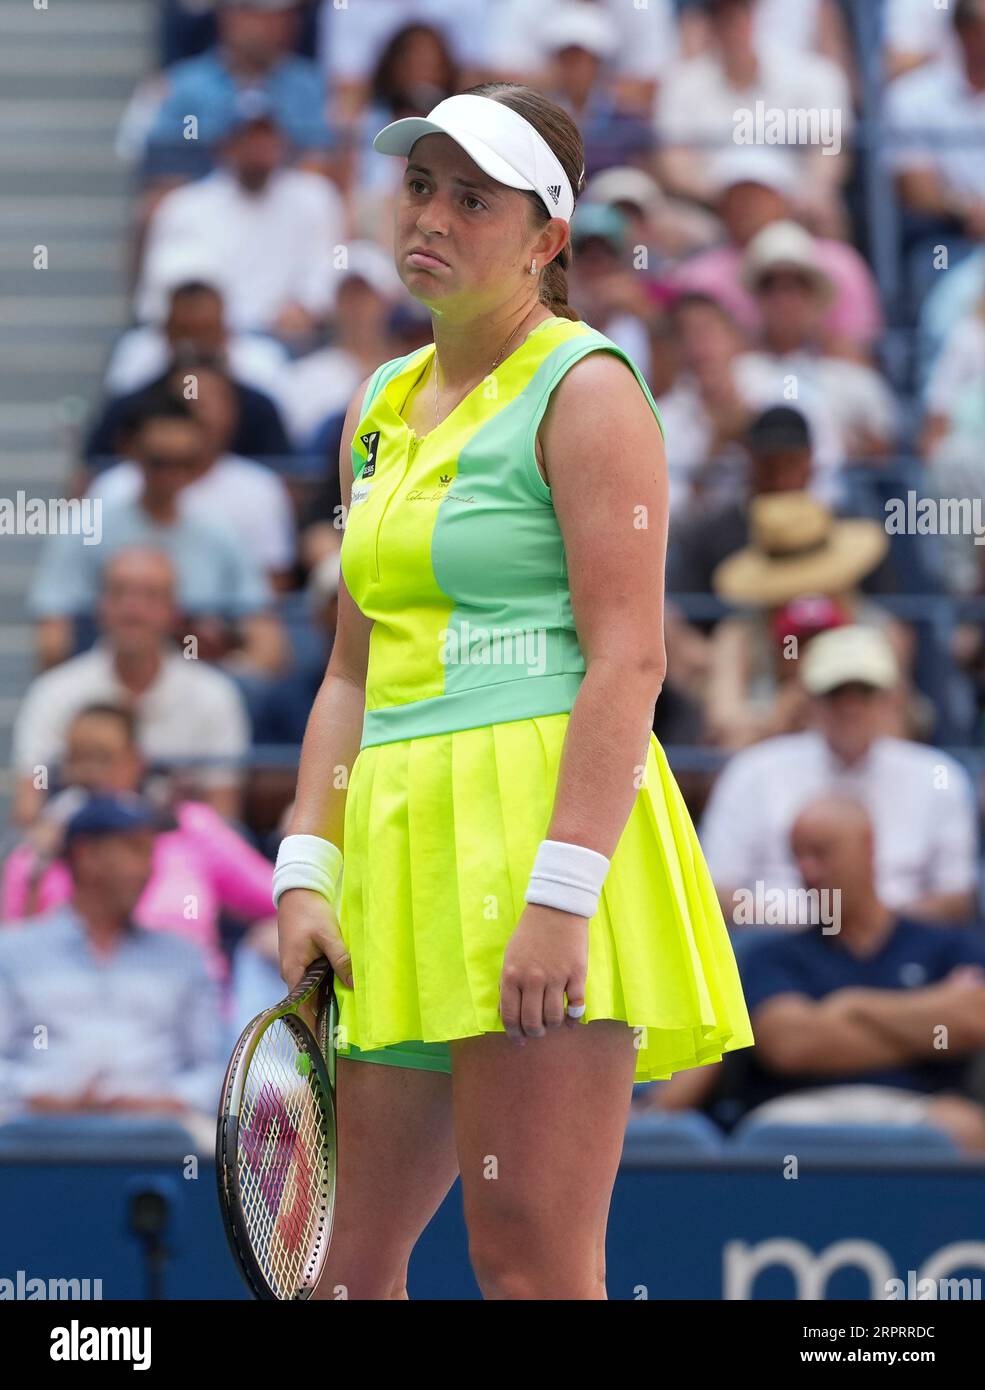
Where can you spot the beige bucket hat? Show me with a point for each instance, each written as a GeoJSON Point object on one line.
{"type": "Point", "coordinates": [798, 547]}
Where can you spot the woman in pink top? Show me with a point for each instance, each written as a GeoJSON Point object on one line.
{"type": "Point", "coordinates": [757, 186]}
{"type": "Point", "coordinates": [201, 868]}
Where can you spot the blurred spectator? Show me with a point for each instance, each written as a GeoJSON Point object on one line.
{"type": "Point", "coordinates": [257, 429]}
{"type": "Point", "coordinates": [752, 187]}
{"type": "Point", "coordinates": [846, 1020]}
{"type": "Point", "coordinates": [921, 800]}
{"type": "Point", "coordinates": [915, 33]}
{"type": "Point", "coordinates": [941, 168]}
{"type": "Point", "coordinates": [322, 382]}
{"type": "Point", "coordinates": [704, 414]}
{"type": "Point", "coordinates": [604, 286]}
{"type": "Point", "coordinates": [779, 452]}
{"type": "Point", "coordinates": [321, 524]}
{"type": "Point", "coordinates": [131, 1016]}
{"type": "Point", "coordinates": [967, 647]}
{"type": "Point", "coordinates": [189, 28]}
{"type": "Point", "coordinates": [784, 270]}
{"type": "Point", "coordinates": [199, 860]}
{"type": "Point", "coordinates": [778, 458]}
{"type": "Point", "coordinates": [223, 595]}
{"type": "Point", "coordinates": [351, 37]}
{"type": "Point", "coordinates": [262, 233]}
{"type": "Point", "coordinates": [797, 549]}
{"type": "Point", "coordinates": [667, 226]}
{"type": "Point", "coordinates": [256, 983]}
{"type": "Point", "coordinates": [183, 709]}
{"type": "Point", "coordinates": [255, 49]}
{"type": "Point", "coordinates": [579, 42]}
{"type": "Point", "coordinates": [685, 438]}
{"type": "Point", "coordinates": [251, 499]}
{"type": "Point", "coordinates": [285, 713]}
{"type": "Point", "coordinates": [953, 429]}
{"type": "Point", "coordinates": [679, 715]}
{"type": "Point", "coordinates": [195, 327]}
{"type": "Point", "coordinates": [952, 298]}
{"type": "Point", "coordinates": [646, 44]}
{"type": "Point", "coordinates": [809, 26]}
{"type": "Point", "coordinates": [956, 388]}
{"type": "Point", "coordinates": [413, 72]}
{"type": "Point", "coordinates": [702, 100]}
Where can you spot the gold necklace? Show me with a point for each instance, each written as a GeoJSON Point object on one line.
{"type": "Point", "coordinates": [471, 388]}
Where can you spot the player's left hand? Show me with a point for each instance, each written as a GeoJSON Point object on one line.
{"type": "Point", "coordinates": [546, 958]}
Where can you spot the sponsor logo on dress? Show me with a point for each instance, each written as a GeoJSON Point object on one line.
{"type": "Point", "coordinates": [371, 443]}
{"type": "Point", "coordinates": [360, 491]}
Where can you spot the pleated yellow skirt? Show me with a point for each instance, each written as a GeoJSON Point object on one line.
{"type": "Point", "coordinates": [440, 838]}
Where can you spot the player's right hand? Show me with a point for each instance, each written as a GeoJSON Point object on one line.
{"type": "Point", "coordinates": [307, 927]}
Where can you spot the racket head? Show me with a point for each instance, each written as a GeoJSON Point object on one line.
{"type": "Point", "coordinates": [276, 1154]}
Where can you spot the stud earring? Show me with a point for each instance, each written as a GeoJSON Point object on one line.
{"type": "Point", "coordinates": [533, 267]}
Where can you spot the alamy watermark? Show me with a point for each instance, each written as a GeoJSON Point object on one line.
{"type": "Point", "coordinates": [80, 1343]}
{"type": "Point", "coordinates": [772, 125]}
{"type": "Point", "coordinates": [943, 1289]}
{"type": "Point", "coordinates": [787, 907]}
{"type": "Point", "coordinates": [473, 645]}
{"type": "Point", "coordinates": [30, 1288]}
{"type": "Point", "coordinates": [21, 515]}
{"type": "Point", "coordinates": [935, 516]}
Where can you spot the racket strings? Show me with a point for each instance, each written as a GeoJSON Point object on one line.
{"type": "Point", "coordinates": [283, 1160]}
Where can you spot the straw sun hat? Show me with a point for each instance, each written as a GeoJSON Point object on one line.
{"type": "Point", "coordinates": [797, 547]}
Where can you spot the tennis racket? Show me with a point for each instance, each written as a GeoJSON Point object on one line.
{"type": "Point", "coordinates": [276, 1156]}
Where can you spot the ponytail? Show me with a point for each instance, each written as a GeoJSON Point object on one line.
{"type": "Point", "coordinates": [554, 286]}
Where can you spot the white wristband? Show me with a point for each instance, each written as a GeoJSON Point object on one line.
{"type": "Point", "coordinates": [308, 861]}
{"type": "Point", "coordinates": [568, 877]}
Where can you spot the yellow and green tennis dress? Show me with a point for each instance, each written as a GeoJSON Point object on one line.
{"type": "Point", "coordinates": [453, 549]}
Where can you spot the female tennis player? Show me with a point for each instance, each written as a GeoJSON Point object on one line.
{"type": "Point", "coordinates": [525, 924]}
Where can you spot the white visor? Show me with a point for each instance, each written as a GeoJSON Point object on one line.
{"type": "Point", "coordinates": [503, 144]}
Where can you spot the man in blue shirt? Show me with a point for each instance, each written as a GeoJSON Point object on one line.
{"type": "Point", "coordinates": [256, 39]}
{"type": "Point", "coordinates": [96, 1013]}
{"type": "Point", "coordinates": [874, 1022]}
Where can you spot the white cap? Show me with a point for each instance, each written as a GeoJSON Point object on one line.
{"type": "Point", "coordinates": [624, 183]}
{"type": "Point", "coordinates": [785, 246]}
{"type": "Point", "coordinates": [371, 263]}
{"type": "Point", "coordinates": [577, 25]}
{"type": "Point", "coordinates": [769, 167]}
{"type": "Point", "coordinates": [846, 654]}
{"type": "Point", "coordinates": [177, 263]}
{"type": "Point", "coordinates": [503, 144]}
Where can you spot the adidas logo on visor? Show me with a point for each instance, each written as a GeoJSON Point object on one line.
{"type": "Point", "coordinates": [554, 189]}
